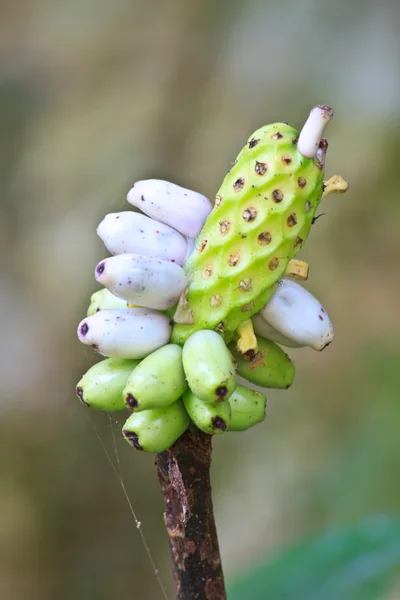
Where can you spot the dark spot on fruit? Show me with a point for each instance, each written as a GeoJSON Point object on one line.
{"type": "Point", "coordinates": [220, 328]}
{"type": "Point", "coordinates": [100, 268]}
{"type": "Point", "coordinates": [264, 238]}
{"type": "Point", "coordinates": [234, 259]}
{"type": "Point", "coordinates": [142, 198]}
{"type": "Point", "coordinates": [253, 142]}
{"type": "Point", "coordinates": [249, 355]}
{"type": "Point", "coordinates": [95, 347]}
{"type": "Point", "coordinates": [221, 392]}
{"type": "Point", "coordinates": [322, 309]}
{"type": "Point", "coordinates": [323, 144]}
{"type": "Point", "coordinates": [286, 159]}
{"type": "Point", "coordinates": [273, 263]}
{"type": "Point", "coordinates": [277, 136]}
{"type": "Point", "coordinates": [131, 401]}
{"type": "Point", "coordinates": [292, 220]}
{"type": "Point", "coordinates": [218, 199]}
{"type": "Point", "coordinates": [215, 301]}
{"type": "Point", "coordinates": [79, 393]}
{"type": "Point", "coordinates": [301, 182]}
{"type": "Point", "coordinates": [319, 164]}
{"type": "Point", "coordinates": [307, 206]}
{"type": "Point", "coordinates": [203, 244]}
{"type": "Point", "coordinates": [249, 214]}
{"type": "Point", "coordinates": [224, 227]}
{"type": "Point", "coordinates": [133, 439]}
{"type": "Point", "coordinates": [84, 329]}
{"type": "Point", "coordinates": [260, 168]}
{"type": "Point", "coordinates": [321, 318]}
{"type": "Point", "coordinates": [298, 241]}
{"type": "Point", "coordinates": [295, 140]}
{"type": "Point", "coordinates": [277, 196]}
{"type": "Point", "coordinates": [97, 310]}
{"type": "Point", "coordinates": [247, 307]}
{"type": "Point", "coordinates": [239, 184]}
{"type": "Point", "coordinates": [218, 423]}
{"type": "Point", "coordinates": [207, 271]}
{"type": "Point", "coordinates": [246, 285]}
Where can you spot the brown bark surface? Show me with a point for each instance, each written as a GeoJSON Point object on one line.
{"type": "Point", "coordinates": [184, 474]}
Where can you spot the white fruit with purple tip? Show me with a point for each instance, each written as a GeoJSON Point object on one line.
{"type": "Point", "coordinates": [132, 233]}
{"type": "Point", "coordinates": [143, 281]}
{"type": "Point", "coordinates": [298, 316]}
{"type": "Point", "coordinates": [182, 209]}
{"type": "Point", "coordinates": [129, 333]}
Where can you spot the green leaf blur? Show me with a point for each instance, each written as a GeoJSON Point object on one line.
{"type": "Point", "coordinates": [356, 563]}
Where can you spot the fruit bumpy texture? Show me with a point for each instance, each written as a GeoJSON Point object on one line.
{"type": "Point", "coordinates": [262, 217]}
{"type": "Point", "coordinates": [178, 367]}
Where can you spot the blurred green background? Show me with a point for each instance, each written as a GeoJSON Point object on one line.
{"type": "Point", "coordinates": [97, 94]}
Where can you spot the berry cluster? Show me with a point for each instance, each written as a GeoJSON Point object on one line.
{"type": "Point", "coordinates": [198, 296]}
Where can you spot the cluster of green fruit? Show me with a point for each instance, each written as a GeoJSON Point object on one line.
{"type": "Point", "coordinates": [191, 284]}
{"type": "Point", "coordinates": [175, 384]}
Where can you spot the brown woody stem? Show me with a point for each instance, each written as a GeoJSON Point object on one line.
{"type": "Point", "coordinates": [184, 475]}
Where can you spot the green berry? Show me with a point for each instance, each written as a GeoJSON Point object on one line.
{"type": "Point", "coordinates": [208, 365]}
{"type": "Point", "coordinates": [247, 408]}
{"type": "Point", "coordinates": [158, 381]}
{"type": "Point", "coordinates": [212, 418]}
{"type": "Point", "coordinates": [262, 217]}
{"type": "Point", "coordinates": [270, 367]}
{"type": "Point", "coordinates": [103, 300]}
{"type": "Point", "coordinates": [156, 430]}
{"type": "Point", "coordinates": [101, 387]}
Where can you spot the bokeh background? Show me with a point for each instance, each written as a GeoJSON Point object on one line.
{"type": "Point", "coordinates": [97, 94]}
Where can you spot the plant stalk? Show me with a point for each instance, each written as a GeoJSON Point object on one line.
{"type": "Point", "coordinates": [184, 475]}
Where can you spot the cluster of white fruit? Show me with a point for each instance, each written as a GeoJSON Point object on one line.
{"type": "Point", "coordinates": [146, 275]}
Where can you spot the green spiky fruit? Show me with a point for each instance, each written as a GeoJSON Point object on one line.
{"type": "Point", "coordinates": [270, 367]}
{"type": "Point", "coordinates": [247, 408]}
{"type": "Point", "coordinates": [158, 381]}
{"type": "Point", "coordinates": [156, 430]}
{"type": "Point", "coordinates": [101, 387]}
{"type": "Point", "coordinates": [261, 219]}
{"type": "Point", "coordinates": [212, 418]}
{"type": "Point", "coordinates": [208, 365]}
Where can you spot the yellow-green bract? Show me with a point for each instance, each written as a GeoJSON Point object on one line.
{"type": "Point", "coordinates": [156, 430]}
{"type": "Point", "coordinates": [247, 408]}
{"type": "Point", "coordinates": [270, 367]}
{"type": "Point", "coordinates": [158, 380]}
{"type": "Point", "coordinates": [208, 366]}
{"type": "Point", "coordinates": [103, 300]}
{"type": "Point", "coordinates": [262, 216]}
{"type": "Point", "coordinates": [209, 417]}
{"type": "Point", "coordinates": [101, 387]}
